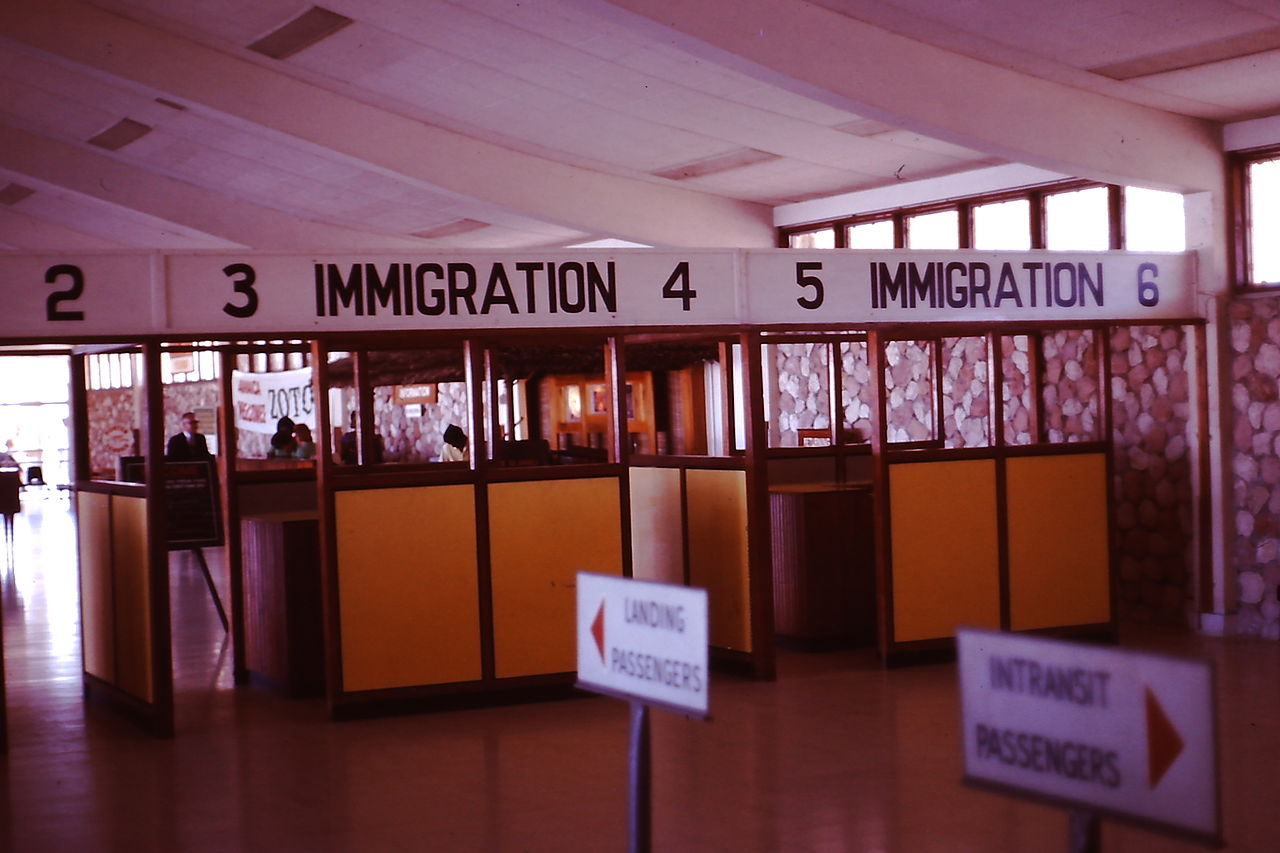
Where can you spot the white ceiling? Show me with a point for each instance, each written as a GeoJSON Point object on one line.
{"type": "Point", "coordinates": [495, 124]}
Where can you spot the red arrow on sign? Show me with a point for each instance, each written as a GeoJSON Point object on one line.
{"type": "Point", "coordinates": [597, 630]}
{"type": "Point", "coordinates": [1164, 744]}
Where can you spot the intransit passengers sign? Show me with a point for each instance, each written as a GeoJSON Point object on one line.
{"type": "Point", "coordinates": [241, 294]}
{"type": "Point", "coordinates": [643, 641]}
{"type": "Point", "coordinates": [1118, 732]}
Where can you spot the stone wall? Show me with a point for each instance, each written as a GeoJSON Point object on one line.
{"type": "Point", "coordinates": [1151, 412]}
{"type": "Point", "coordinates": [406, 439]}
{"type": "Point", "coordinates": [966, 404]}
{"type": "Point", "coordinates": [115, 407]}
{"type": "Point", "coordinates": [803, 398]}
{"type": "Point", "coordinates": [1255, 462]}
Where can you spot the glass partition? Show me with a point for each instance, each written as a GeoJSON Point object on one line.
{"type": "Point", "coordinates": [909, 384]}
{"type": "Point", "coordinates": [114, 410]}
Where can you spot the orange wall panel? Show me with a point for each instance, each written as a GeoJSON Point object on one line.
{"type": "Point", "coordinates": [407, 586]}
{"type": "Point", "coordinates": [717, 507]}
{"type": "Point", "coordinates": [945, 547]}
{"type": "Point", "coordinates": [541, 534]}
{"type": "Point", "coordinates": [657, 529]}
{"type": "Point", "coordinates": [132, 587]}
{"type": "Point", "coordinates": [93, 522]}
{"type": "Point", "coordinates": [1059, 551]}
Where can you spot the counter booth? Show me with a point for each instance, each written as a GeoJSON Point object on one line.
{"type": "Point", "coordinates": [845, 448]}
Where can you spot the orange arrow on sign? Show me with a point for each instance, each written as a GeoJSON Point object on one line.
{"type": "Point", "coordinates": [1164, 744]}
{"type": "Point", "coordinates": [597, 630]}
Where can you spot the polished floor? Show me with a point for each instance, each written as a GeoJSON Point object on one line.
{"type": "Point", "coordinates": [836, 755]}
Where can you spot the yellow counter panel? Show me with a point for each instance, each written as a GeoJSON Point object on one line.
{"type": "Point", "coordinates": [132, 585]}
{"type": "Point", "coordinates": [1058, 543]}
{"type": "Point", "coordinates": [541, 534]}
{"type": "Point", "coordinates": [93, 521]}
{"type": "Point", "coordinates": [657, 526]}
{"type": "Point", "coordinates": [945, 547]}
{"type": "Point", "coordinates": [408, 594]}
{"type": "Point", "coordinates": [717, 507]}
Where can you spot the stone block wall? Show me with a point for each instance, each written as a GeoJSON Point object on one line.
{"type": "Point", "coordinates": [803, 398]}
{"type": "Point", "coordinates": [966, 403]}
{"type": "Point", "coordinates": [1255, 462]}
{"type": "Point", "coordinates": [406, 439]}
{"type": "Point", "coordinates": [1152, 488]}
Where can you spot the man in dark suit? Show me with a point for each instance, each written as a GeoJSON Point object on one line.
{"type": "Point", "coordinates": [188, 444]}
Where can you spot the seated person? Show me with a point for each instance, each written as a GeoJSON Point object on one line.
{"type": "Point", "coordinates": [189, 444]}
{"type": "Point", "coordinates": [283, 444]}
{"type": "Point", "coordinates": [306, 448]}
{"type": "Point", "coordinates": [454, 448]}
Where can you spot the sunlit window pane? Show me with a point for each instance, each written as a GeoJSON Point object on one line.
{"type": "Point", "coordinates": [1078, 221]}
{"type": "Point", "coordinates": [871, 235]}
{"type": "Point", "coordinates": [1003, 226]}
{"type": "Point", "coordinates": [822, 239]}
{"type": "Point", "coordinates": [1153, 221]}
{"type": "Point", "coordinates": [1264, 215]}
{"type": "Point", "coordinates": [939, 230]}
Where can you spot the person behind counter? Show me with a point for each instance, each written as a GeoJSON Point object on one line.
{"type": "Point", "coordinates": [188, 444]}
{"type": "Point", "coordinates": [306, 446]}
{"type": "Point", "coordinates": [7, 462]}
{"type": "Point", "coordinates": [283, 444]}
{"type": "Point", "coordinates": [349, 445]}
{"type": "Point", "coordinates": [454, 448]}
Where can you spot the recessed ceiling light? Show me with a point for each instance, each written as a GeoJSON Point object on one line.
{"type": "Point", "coordinates": [11, 194]}
{"type": "Point", "coordinates": [865, 127]}
{"type": "Point", "coordinates": [451, 229]}
{"type": "Point", "coordinates": [303, 31]}
{"type": "Point", "coordinates": [715, 165]}
{"type": "Point", "coordinates": [120, 134]}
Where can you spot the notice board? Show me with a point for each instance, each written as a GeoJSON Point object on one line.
{"type": "Point", "coordinates": [192, 511]}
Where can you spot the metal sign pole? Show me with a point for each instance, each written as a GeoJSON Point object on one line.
{"type": "Point", "coordinates": [638, 806]}
{"type": "Point", "coordinates": [1084, 832]}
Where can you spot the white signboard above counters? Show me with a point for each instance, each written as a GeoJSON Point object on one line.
{"type": "Point", "coordinates": [252, 294]}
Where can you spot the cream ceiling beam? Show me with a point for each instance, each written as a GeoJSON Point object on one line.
{"type": "Point", "coordinates": [573, 197]}
{"type": "Point", "coordinates": [190, 207]}
{"type": "Point", "coordinates": [35, 234]}
{"type": "Point", "coordinates": [854, 65]}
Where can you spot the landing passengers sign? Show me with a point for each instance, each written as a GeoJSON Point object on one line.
{"type": "Point", "coordinates": [643, 641]}
{"type": "Point", "coordinates": [72, 295]}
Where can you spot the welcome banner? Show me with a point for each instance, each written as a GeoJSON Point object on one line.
{"type": "Point", "coordinates": [261, 399]}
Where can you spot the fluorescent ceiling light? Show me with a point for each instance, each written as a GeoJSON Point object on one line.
{"type": "Point", "coordinates": [716, 165]}
{"type": "Point", "coordinates": [120, 134]}
{"type": "Point", "coordinates": [303, 31]}
{"type": "Point", "coordinates": [451, 229]}
{"type": "Point", "coordinates": [11, 194]}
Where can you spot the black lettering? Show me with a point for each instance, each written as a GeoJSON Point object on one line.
{"type": "Point", "coordinates": [1087, 284]}
{"type": "Point", "coordinates": [984, 287]}
{"type": "Point", "coordinates": [572, 287]}
{"type": "Point", "coordinates": [436, 305]}
{"type": "Point", "coordinates": [531, 301]}
{"type": "Point", "coordinates": [1072, 288]}
{"type": "Point", "coordinates": [382, 292]}
{"type": "Point", "coordinates": [462, 287]}
{"type": "Point", "coordinates": [1008, 286]}
{"type": "Point", "coordinates": [348, 291]}
{"type": "Point", "coordinates": [498, 291]}
{"type": "Point", "coordinates": [957, 295]}
{"type": "Point", "coordinates": [603, 287]}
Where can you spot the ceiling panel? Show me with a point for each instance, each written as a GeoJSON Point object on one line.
{"type": "Point", "coordinates": [581, 84]}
